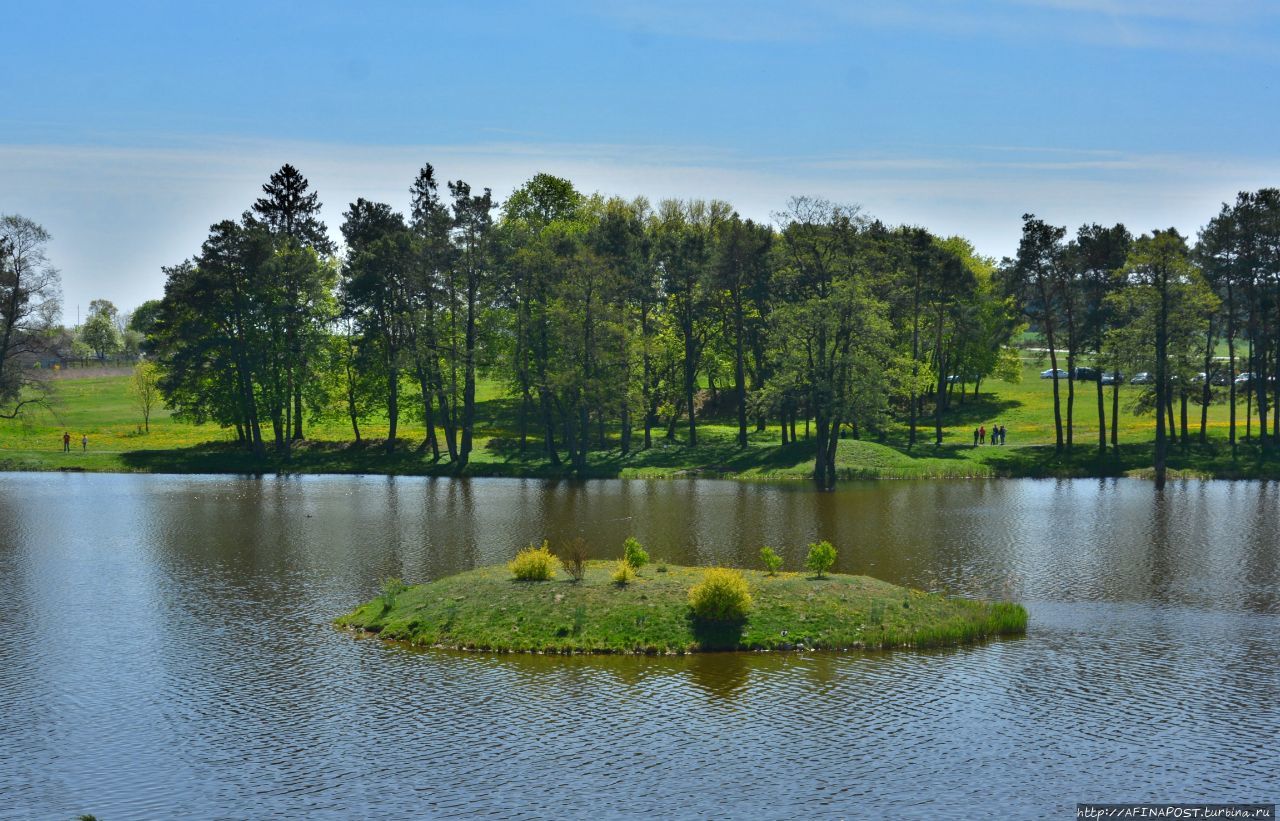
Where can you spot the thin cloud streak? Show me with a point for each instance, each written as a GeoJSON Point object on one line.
{"type": "Point", "coordinates": [1178, 25]}
{"type": "Point", "coordinates": [118, 214]}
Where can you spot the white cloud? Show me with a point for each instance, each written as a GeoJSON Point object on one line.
{"type": "Point", "coordinates": [1236, 26]}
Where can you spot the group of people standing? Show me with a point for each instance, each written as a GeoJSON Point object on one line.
{"type": "Point", "coordinates": [980, 435]}
{"type": "Point", "coordinates": [66, 442]}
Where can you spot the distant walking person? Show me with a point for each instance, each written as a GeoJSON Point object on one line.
{"type": "Point", "coordinates": [982, 435]}
{"type": "Point", "coordinates": [84, 442]}
{"type": "Point", "coordinates": [1003, 430]}
{"type": "Point", "coordinates": [975, 437]}
{"type": "Point", "coordinates": [66, 442]}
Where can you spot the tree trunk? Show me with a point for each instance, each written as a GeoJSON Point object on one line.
{"type": "Point", "coordinates": [820, 462]}
{"type": "Point", "coordinates": [1206, 390]}
{"type": "Point", "coordinates": [915, 359]}
{"type": "Point", "coordinates": [297, 408]}
{"type": "Point", "coordinates": [1115, 417]}
{"type": "Point", "coordinates": [469, 377]}
{"type": "Point", "coordinates": [1186, 440]}
{"type": "Point", "coordinates": [1102, 419]}
{"type": "Point", "coordinates": [1057, 402]}
{"type": "Point", "coordinates": [523, 421]}
{"type": "Point", "coordinates": [1259, 384]}
{"type": "Point", "coordinates": [1248, 393]}
{"type": "Point", "coordinates": [1162, 386]}
{"type": "Point", "coordinates": [549, 428]}
{"type": "Point", "coordinates": [1071, 396]}
{"type": "Point", "coordinates": [1231, 391]}
{"type": "Point", "coordinates": [650, 403]}
{"type": "Point", "coordinates": [584, 440]}
{"type": "Point", "coordinates": [740, 375]}
{"type": "Point", "coordinates": [942, 381]}
{"type": "Point", "coordinates": [393, 407]}
{"type": "Point", "coordinates": [428, 416]}
{"type": "Point", "coordinates": [690, 374]}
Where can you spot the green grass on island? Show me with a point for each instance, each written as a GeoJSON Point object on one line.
{"type": "Point", "coordinates": [98, 405]}
{"type": "Point", "coordinates": [488, 610]}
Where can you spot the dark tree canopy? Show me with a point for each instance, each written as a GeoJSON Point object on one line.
{"type": "Point", "coordinates": [290, 209]}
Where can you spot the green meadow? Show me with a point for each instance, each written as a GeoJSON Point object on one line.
{"type": "Point", "coordinates": [98, 405]}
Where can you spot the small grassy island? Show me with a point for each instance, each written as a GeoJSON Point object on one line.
{"type": "Point", "coordinates": [652, 612]}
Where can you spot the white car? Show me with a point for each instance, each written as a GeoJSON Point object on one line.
{"type": "Point", "coordinates": [1049, 374]}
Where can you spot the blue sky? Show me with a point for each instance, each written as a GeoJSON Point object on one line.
{"type": "Point", "coordinates": [127, 128]}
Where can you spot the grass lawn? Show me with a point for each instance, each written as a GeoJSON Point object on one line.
{"type": "Point", "coordinates": [486, 609]}
{"type": "Point", "coordinates": [100, 407]}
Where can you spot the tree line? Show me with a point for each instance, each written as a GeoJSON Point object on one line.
{"type": "Point", "coordinates": [611, 322]}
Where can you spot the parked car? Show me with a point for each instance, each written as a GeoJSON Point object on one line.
{"type": "Point", "coordinates": [1142, 378]}
{"type": "Point", "coordinates": [1062, 374]}
{"type": "Point", "coordinates": [1244, 378]}
{"type": "Point", "coordinates": [1112, 377]}
{"type": "Point", "coordinates": [1221, 378]}
{"type": "Point", "coordinates": [1083, 374]}
{"type": "Point", "coordinates": [1199, 378]}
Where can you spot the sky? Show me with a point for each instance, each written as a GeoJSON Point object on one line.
{"type": "Point", "coordinates": [128, 128]}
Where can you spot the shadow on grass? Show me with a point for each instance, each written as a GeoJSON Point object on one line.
{"type": "Point", "coordinates": [369, 456]}
{"type": "Point", "coordinates": [719, 455]}
{"type": "Point", "coordinates": [1195, 460]}
{"type": "Point", "coordinates": [716, 635]}
{"type": "Point", "coordinates": [985, 408]}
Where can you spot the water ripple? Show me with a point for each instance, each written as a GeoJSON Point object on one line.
{"type": "Point", "coordinates": [166, 652]}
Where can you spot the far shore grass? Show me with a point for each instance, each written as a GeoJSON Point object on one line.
{"type": "Point", "coordinates": [487, 610]}
{"type": "Point", "coordinates": [97, 404]}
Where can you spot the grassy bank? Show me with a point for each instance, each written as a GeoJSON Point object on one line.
{"type": "Point", "coordinates": [486, 609]}
{"type": "Point", "coordinates": [98, 405]}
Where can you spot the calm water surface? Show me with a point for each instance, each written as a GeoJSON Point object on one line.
{"type": "Point", "coordinates": [165, 651]}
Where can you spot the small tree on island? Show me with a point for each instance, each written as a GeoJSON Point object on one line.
{"type": "Point", "coordinates": [821, 558]}
{"type": "Point", "coordinates": [772, 561]}
{"type": "Point", "coordinates": [634, 553]}
{"type": "Point", "coordinates": [573, 559]}
{"type": "Point", "coordinates": [145, 389]}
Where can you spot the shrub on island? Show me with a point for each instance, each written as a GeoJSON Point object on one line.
{"type": "Point", "coordinates": [623, 574]}
{"type": "Point", "coordinates": [533, 564]}
{"type": "Point", "coordinates": [721, 596]}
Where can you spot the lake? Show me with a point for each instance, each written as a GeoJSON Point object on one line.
{"type": "Point", "coordinates": [166, 651]}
